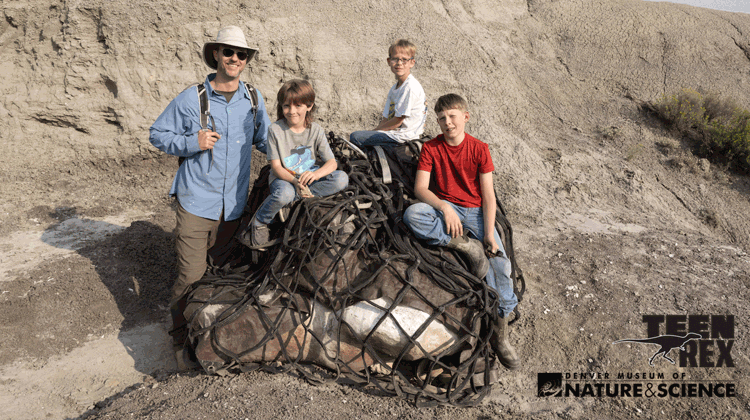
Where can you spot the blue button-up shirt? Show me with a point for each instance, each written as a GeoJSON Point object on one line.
{"type": "Point", "coordinates": [202, 188]}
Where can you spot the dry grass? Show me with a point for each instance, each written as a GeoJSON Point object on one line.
{"type": "Point", "coordinates": [668, 144]}
{"type": "Point", "coordinates": [634, 152]}
{"type": "Point", "coordinates": [611, 132]}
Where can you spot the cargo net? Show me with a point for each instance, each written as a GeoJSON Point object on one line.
{"type": "Point", "coordinates": [347, 286]}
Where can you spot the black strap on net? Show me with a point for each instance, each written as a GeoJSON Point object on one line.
{"type": "Point", "coordinates": [350, 248]}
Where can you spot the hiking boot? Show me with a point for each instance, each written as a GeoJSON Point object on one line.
{"type": "Point", "coordinates": [473, 250]}
{"type": "Point", "coordinates": [179, 331]}
{"type": "Point", "coordinates": [185, 359]}
{"type": "Point", "coordinates": [506, 354]}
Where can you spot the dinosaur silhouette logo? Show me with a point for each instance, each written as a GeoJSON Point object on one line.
{"type": "Point", "coordinates": [549, 384]}
{"type": "Point", "coordinates": [667, 343]}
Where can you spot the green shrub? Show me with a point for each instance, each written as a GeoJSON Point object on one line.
{"type": "Point", "coordinates": [718, 127]}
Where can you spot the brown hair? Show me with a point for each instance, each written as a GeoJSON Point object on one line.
{"type": "Point", "coordinates": [296, 92]}
{"type": "Point", "coordinates": [403, 44]}
{"type": "Point", "coordinates": [451, 101]}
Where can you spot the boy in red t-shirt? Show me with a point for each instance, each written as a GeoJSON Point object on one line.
{"type": "Point", "coordinates": [454, 212]}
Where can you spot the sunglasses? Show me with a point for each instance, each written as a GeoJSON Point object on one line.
{"type": "Point", "coordinates": [228, 52]}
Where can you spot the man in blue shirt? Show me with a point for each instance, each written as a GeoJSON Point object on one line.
{"type": "Point", "coordinates": [211, 184]}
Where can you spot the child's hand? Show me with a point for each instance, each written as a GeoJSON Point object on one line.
{"type": "Point", "coordinates": [492, 246]}
{"type": "Point", "coordinates": [302, 190]}
{"type": "Point", "coordinates": [453, 225]}
{"type": "Point", "coordinates": [307, 178]}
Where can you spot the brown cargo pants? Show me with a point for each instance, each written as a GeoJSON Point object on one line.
{"type": "Point", "coordinates": [194, 237]}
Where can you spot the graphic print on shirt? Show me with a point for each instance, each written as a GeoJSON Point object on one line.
{"type": "Point", "coordinates": [300, 159]}
{"type": "Point", "coordinates": [391, 110]}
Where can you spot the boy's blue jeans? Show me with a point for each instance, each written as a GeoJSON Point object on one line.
{"type": "Point", "coordinates": [283, 193]}
{"type": "Point", "coordinates": [371, 138]}
{"type": "Point", "coordinates": [428, 224]}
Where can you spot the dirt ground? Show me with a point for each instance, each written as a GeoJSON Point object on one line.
{"type": "Point", "coordinates": [88, 262]}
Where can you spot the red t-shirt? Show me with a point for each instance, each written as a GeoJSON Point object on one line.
{"type": "Point", "coordinates": [454, 170]}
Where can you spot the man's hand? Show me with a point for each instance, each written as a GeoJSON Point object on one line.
{"type": "Point", "coordinates": [206, 139]}
{"type": "Point", "coordinates": [453, 225]}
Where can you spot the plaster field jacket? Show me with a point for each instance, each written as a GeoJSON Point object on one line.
{"type": "Point", "coordinates": [204, 188]}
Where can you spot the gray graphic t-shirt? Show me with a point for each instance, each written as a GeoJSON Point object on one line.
{"type": "Point", "coordinates": [301, 152]}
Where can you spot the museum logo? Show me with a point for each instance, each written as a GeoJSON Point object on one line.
{"type": "Point", "coordinates": [549, 384]}
{"type": "Point", "coordinates": [682, 340]}
{"type": "Point", "coordinates": [701, 340]}
{"type": "Point", "coordinates": [631, 385]}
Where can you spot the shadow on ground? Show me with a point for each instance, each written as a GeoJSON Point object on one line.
{"type": "Point", "coordinates": [137, 266]}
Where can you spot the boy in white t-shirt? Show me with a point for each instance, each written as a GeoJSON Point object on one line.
{"type": "Point", "coordinates": [405, 107]}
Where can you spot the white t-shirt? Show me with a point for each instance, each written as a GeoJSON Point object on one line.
{"type": "Point", "coordinates": [409, 101]}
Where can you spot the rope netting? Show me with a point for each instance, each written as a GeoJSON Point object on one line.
{"type": "Point", "coordinates": [347, 286]}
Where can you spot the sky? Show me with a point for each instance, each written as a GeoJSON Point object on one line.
{"type": "Point", "coordinates": [728, 5]}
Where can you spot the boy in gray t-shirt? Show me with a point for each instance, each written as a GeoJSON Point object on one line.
{"type": "Point", "coordinates": [295, 147]}
{"type": "Point", "coordinates": [298, 152]}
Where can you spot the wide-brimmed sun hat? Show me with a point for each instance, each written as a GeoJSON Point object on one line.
{"type": "Point", "coordinates": [232, 36]}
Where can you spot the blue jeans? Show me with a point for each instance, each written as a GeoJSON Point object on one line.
{"type": "Point", "coordinates": [371, 138]}
{"type": "Point", "coordinates": [428, 224]}
{"type": "Point", "coordinates": [283, 193]}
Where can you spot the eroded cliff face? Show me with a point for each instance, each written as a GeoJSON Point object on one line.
{"type": "Point", "coordinates": [83, 81]}
{"type": "Point", "coordinates": [646, 50]}
{"type": "Point", "coordinates": [110, 67]}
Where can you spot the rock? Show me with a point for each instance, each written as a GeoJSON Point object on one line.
{"type": "Point", "coordinates": [704, 164]}
{"type": "Point", "coordinates": [393, 334]}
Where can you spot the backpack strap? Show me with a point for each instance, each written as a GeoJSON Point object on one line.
{"type": "Point", "coordinates": [205, 104]}
{"type": "Point", "coordinates": [204, 112]}
{"type": "Point", "coordinates": [253, 100]}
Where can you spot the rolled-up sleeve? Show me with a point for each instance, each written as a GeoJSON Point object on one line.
{"type": "Point", "coordinates": [207, 184]}
{"type": "Point", "coordinates": [176, 130]}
